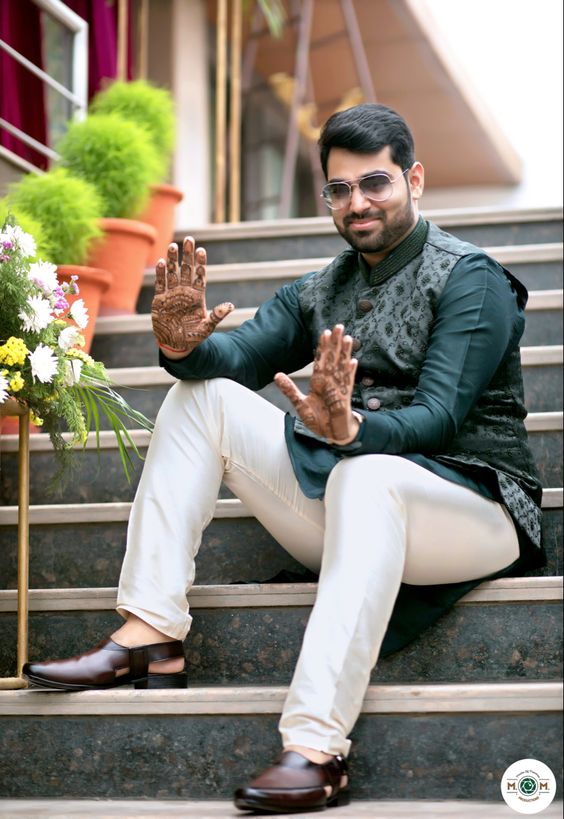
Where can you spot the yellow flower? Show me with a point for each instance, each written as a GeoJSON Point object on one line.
{"type": "Point", "coordinates": [35, 419]}
{"type": "Point", "coordinates": [74, 352]}
{"type": "Point", "coordinates": [16, 382]}
{"type": "Point", "coordinates": [13, 352]}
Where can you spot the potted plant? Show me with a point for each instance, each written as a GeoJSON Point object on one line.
{"type": "Point", "coordinates": [42, 363]}
{"type": "Point", "coordinates": [68, 210]}
{"type": "Point", "coordinates": [119, 159]}
{"type": "Point", "coordinates": [151, 108]}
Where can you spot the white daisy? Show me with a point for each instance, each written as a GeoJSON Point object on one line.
{"type": "Point", "coordinates": [69, 337]}
{"type": "Point", "coordinates": [3, 388]}
{"type": "Point", "coordinates": [44, 275]}
{"type": "Point", "coordinates": [43, 363]}
{"type": "Point", "coordinates": [40, 315]}
{"type": "Point", "coordinates": [79, 313]}
{"type": "Point", "coordinates": [24, 241]}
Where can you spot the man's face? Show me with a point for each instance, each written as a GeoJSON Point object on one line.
{"type": "Point", "coordinates": [375, 228]}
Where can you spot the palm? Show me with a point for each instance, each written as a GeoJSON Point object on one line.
{"type": "Point", "coordinates": [326, 410]}
{"type": "Point", "coordinates": [180, 318]}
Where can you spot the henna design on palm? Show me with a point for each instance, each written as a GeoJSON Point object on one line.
{"type": "Point", "coordinates": [180, 318]}
{"type": "Point", "coordinates": [326, 410]}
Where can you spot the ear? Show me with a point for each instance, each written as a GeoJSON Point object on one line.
{"type": "Point", "coordinates": [416, 176]}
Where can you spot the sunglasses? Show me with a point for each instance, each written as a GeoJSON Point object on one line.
{"type": "Point", "coordinates": [376, 186]}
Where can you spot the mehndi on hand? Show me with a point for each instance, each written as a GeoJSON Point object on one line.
{"type": "Point", "coordinates": [178, 312]}
{"type": "Point", "coordinates": [326, 411]}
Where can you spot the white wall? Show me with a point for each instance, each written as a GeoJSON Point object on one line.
{"type": "Point", "coordinates": [511, 51]}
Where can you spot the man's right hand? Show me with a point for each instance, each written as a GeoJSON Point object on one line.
{"type": "Point", "coordinates": [180, 318]}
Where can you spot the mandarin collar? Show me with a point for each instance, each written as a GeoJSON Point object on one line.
{"type": "Point", "coordinates": [401, 255]}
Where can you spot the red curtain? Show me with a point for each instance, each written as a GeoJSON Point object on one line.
{"type": "Point", "coordinates": [22, 101]}
{"type": "Point", "coordinates": [101, 16]}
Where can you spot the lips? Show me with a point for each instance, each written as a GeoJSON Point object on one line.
{"type": "Point", "coordinates": [362, 222]}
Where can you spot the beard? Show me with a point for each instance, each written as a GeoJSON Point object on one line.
{"type": "Point", "coordinates": [377, 240]}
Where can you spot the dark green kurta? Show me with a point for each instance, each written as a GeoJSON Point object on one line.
{"type": "Point", "coordinates": [437, 326]}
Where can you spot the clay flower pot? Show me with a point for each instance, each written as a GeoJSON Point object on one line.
{"type": "Point", "coordinates": [93, 282]}
{"type": "Point", "coordinates": [160, 213]}
{"type": "Point", "coordinates": [122, 251]}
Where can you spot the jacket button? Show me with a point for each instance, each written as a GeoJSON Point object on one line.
{"type": "Point", "coordinates": [373, 403]}
{"type": "Point", "coordinates": [367, 381]}
{"type": "Point", "coordinates": [365, 306]}
{"type": "Point", "coordinates": [356, 345]}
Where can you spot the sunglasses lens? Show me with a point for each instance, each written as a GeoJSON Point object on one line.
{"type": "Point", "coordinates": [376, 187]}
{"type": "Point", "coordinates": [336, 194]}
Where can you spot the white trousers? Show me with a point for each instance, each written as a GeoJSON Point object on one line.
{"type": "Point", "coordinates": [384, 519]}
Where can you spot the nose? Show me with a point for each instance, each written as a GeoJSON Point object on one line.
{"type": "Point", "coordinates": [358, 202]}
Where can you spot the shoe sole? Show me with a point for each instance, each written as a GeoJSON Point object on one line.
{"type": "Point", "coordinates": [178, 680]}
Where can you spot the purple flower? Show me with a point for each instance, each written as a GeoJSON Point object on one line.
{"type": "Point", "coordinates": [61, 304]}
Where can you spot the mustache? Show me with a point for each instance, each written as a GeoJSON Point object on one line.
{"type": "Point", "coordinates": [361, 217]}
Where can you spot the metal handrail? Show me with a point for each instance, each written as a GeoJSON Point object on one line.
{"type": "Point", "coordinates": [78, 96]}
{"type": "Point", "coordinates": [46, 78]}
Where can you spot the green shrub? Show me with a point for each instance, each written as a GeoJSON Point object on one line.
{"type": "Point", "coordinates": [28, 224]}
{"type": "Point", "coordinates": [116, 156]}
{"type": "Point", "coordinates": [146, 105]}
{"type": "Point", "coordinates": [67, 209]}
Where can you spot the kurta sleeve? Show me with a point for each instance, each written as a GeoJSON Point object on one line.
{"type": "Point", "coordinates": [275, 340]}
{"type": "Point", "coordinates": [478, 321]}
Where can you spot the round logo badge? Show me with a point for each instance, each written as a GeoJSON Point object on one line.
{"type": "Point", "coordinates": [528, 786]}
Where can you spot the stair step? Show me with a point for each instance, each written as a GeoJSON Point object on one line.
{"type": "Point", "coordinates": [502, 590]}
{"type": "Point", "coordinates": [477, 698]}
{"type": "Point", "coordinates": [509, 629]}
{"type": "Point", "coordinates": [99, 477]}
{"type": "Point", "coordinates": [235, 547]}
{"type": "Point", "coordinates": [207, 809]}
{"type": "Point", "coordinates": [188, 744]}
{"type": "Point", "coordinates": [246, 284]}
{"type": "Point", "coordinates": [317, 237]}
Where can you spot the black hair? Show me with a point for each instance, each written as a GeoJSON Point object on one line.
{"type": "Point", "coordinates": [367, 129]}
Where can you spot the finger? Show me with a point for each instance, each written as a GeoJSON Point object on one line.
{"type": "Point", "coordinates": [218, 314]}
{"type": "Point", "coordinates": [346, 348]}
{"type": "Point", "coordinates": [336, 340]}
{"type": "Point", "coordinates": [187, 267]}
{"type": "Point", "coordinates": [172, 265]}
{"type": "Point", "coordinates": [289, 388]}
{"type": "Point", "coordinates": [200, 269]}
{"type": "Point", "coordinates": [324, 340]}
{"type": "Point", "coordinates": [160, 277]}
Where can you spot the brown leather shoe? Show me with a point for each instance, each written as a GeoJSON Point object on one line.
{"type": "Point", "coordinates": [295, 784]}
{"type": "Point", "coordinates": [97, 668]}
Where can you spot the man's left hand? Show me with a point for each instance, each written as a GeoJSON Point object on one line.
{"type": "Point", "coordinates": [327, 409]}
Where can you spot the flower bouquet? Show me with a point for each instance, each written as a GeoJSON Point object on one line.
{"type": "Point", "coordinates": [42, 364]}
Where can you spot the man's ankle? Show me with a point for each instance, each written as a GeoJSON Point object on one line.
{"type": "Point", "coordinates": [319, 757]}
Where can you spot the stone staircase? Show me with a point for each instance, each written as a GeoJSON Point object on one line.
{"type": "Point", "coordinates": [441, 720]}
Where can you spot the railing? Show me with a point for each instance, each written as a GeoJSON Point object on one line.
{"type": "Point", "coordinates": [77, 94]}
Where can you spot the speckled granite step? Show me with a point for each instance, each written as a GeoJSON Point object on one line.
{"type": "Point", "coordinates": [507, 629]}
{"type": "Point", "coordinates": [539, 267]}
{"type": "Point", "coordinates": [193, 743]}
{"type": "Point", "coordinates": [217, 809]}
{"type": "Point", "coordinates": [316, 237]}
{"type": "Point", "coordinates": [98, 475]}
{"type": "Point", "coordinates": [128, 341]}
{"type": "Point", "coordinates": [235, 547]}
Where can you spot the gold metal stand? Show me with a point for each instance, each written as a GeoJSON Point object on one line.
{"type": "Point", "coordinates": [12, 407]}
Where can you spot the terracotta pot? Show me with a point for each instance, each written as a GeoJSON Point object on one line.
{"type": "Point", "coordinates": [93, 282]}
{"type": "Point", "coordinates": [123, 252]}
{"type": "Point", "coordinates": [160, 214]}
{"type": "Point", "coordinates": [9, 418]}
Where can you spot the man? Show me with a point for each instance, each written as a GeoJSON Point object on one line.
{"type": "Point", "coordinates": [404, 481]}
